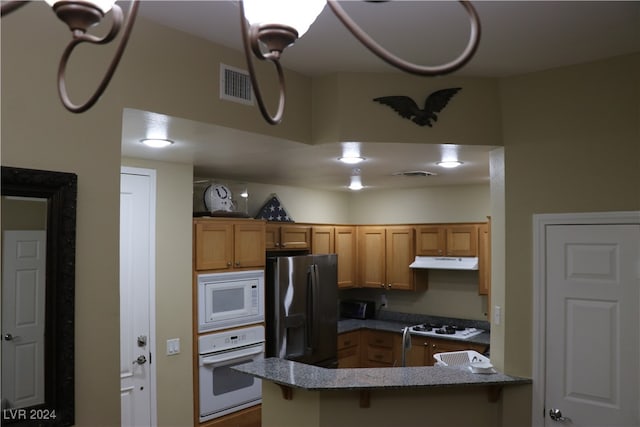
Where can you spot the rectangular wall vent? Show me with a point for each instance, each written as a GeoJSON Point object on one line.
{"type": "Point", "coordinates": [235, 85]}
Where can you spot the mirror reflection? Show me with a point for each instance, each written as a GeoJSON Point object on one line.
{"type": "Point", "coordinates": [38, 220]}
{"type": "Point", "coordinates": [24, 225]}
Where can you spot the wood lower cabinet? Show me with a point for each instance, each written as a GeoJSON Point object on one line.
{"type": "Point", "coordinates": [227, 244]}
{"type": "Point", "coordinates": [423, 348]}
{"type": "Point", "coordinates": [341, 240]}
{"type": "Point", "coordinates": [250, 417]}
{"type": "Point", "coordinates": [377, 349]}
{"type": "Point", "coordinates": [368, 348]}
{"type": "Point", "coordinates": [349, 350]}
{"type": "Point", "coordinates": [287, 236]}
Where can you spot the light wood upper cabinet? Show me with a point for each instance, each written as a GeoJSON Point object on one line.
{"type": "Point", "coordinates": [484, 258]}
{"type": "Point", "coordinates": [323, 239]}
{"type": "Point", "coordinates": [287, 236]}
{"type": "Point", "coordinates": [384, 255]}
{"type": "Point", "coordinates": [341, 240]}
{"type": "Point", "coordinates": [346, 247]}
{"type": "Point", "coordinates": [447, 240]}
{"type": "Point", "coordinates": [221, 244]}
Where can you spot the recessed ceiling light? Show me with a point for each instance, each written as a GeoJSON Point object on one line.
{"type": "Point", "coordinates": [356, 181]}
{"type": "Point", "coordinates": [449, 163]}
{"type": "Point", "coordinates": [351, 160]}
{"type": "Point", "coordinates": [156, 142]}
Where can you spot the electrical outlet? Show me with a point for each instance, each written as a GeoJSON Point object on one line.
{"type": "Point", "coordinates": [173, 346]}
{"type": "Point", "coordinates": [383, 301]}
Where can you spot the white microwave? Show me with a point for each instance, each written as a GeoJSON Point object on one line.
{"type": "Point", "coordinates": [231, 299]}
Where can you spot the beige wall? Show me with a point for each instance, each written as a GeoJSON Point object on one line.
{"type": "Point", "coordinates": [37, 132]}
{"type": "Point", "coordinates": [344, 110]}
{"type": "Point", "coordinates": [572, 144]}
{"type": "Point", "coordinates": [21, 214]}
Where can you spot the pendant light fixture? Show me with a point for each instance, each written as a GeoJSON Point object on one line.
{"type": "Point", "coordinates": [262, 29]}
{"type": "Point", "coordinates": [355, 183]}
{"type": "Point", "coordinates": [80, 15]}
{"type": "Point", "coordinates": [268, 27]}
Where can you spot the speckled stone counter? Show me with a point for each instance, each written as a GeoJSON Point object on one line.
{"type": "Point", "coordinates": [308, 377]}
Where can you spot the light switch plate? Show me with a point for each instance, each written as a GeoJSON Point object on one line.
{"type": "Point", "coordinates": [497, 315]}
{"type": "Point", "coordinates": [173, 346]}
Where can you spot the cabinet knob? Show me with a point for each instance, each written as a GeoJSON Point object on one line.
{"type": "Point", "coordinates": [389, 286]}
{"type": "Point", "coordinates": [382, 285]}
{"type": "Point", "coordinates": [237, 263]}
{"type": "Point", "coordinates": [229, 264]}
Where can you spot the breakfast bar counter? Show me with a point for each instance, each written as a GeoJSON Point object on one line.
{"type": "Point", "coordinates": [308, 377]}
{"type": "Point", "coordinates": [296, 394]}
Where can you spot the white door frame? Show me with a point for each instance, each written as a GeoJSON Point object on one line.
{"type": "Point", "coordinates": [151, 173]}
{"type": "Point", "coordinates": [540, 222]}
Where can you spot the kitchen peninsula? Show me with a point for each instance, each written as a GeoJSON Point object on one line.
{"type": "Point", "coordinates": [295, 394]}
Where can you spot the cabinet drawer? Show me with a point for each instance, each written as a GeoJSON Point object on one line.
{"type": "Point", "coordinates": [380, 355]}
{"type": "Point", "coordinates": [348, 339]}
{"type": "Point", "coordinates": [380, 340]}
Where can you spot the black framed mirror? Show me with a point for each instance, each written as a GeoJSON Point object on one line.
{"type": "Point", "coordinates": [56, 404]}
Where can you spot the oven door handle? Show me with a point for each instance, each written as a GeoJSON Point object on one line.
{"type": "Point", "coordinates": [240, 354]}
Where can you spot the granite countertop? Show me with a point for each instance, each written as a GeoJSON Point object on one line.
{"type": "Point", "coordinates": [396, 325]}
{"type": "Point", "coordinates": [298, 375]}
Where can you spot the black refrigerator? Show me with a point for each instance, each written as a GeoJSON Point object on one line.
{"type": "Point", "coordinates": [301, 299]}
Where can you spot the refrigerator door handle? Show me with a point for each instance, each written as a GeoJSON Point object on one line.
{"type": "Point", "coordinates": [312, 307]}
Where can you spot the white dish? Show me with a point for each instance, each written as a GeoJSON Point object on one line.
{"type": "Point", "coordinates": [482, 368]}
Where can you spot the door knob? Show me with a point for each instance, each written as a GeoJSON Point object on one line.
{"type": "Point", "coordinates": [141, 360]}
{"type": "Point", "coordinates": [556, 415]}
{"type": "Point", "coordinates": [9, 337]}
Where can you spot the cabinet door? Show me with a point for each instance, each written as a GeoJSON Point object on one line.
{"type": "Point", "coordinates": [345, 247]}
{"type": "Point", "coordinates": [349, 350]}
{"type": "Point", "coordinates": [419, 353]}
{"type": "Point", "coordinates": [378, 349]}
{"type": "Point", "coordinates": [399, 254]}
{"type": "Point", "coordinates": [272, 237]}
{"type": "Point", "coordinates": [214, 246]}
{"type": "Point", "coordinates": [431, 240]}
{"type": "Point", "coordinates": [372, 256]}
{"type": "Point", "coordinates": [462, 240]}
{"type": "Point", "coordinates": [295, 237]}
{"type": "Point", "coordinates": [249, 245]}
{"type": "Point", "coordinates": [484, 259]}
{"type": "Point", "coordinates": [322, 239]}
{"type": "Point", "coordinates": [444, 346]}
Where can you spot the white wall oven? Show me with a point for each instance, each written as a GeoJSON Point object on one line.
{"type": "Point", "coordinates": [222, 389]}
{"type": "Point", "coordinates": [231, 299]}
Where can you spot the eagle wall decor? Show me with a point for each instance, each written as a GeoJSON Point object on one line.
{"type": "Point", "coordinates": [407, 107]}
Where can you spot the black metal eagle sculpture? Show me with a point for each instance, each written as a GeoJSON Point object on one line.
{"type": "Point", "coordinates": [408, 108]}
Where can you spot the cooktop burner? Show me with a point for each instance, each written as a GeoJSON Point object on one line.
{"type": "Point", "coordinates": [449, 330]}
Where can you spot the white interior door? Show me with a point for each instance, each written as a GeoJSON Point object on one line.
{"type": "Point", "coordinates": [592, 322]}
{"type": "Point", "coordinates": [137, 281]}
{"type": "Point", "coordinates": [23, 317]}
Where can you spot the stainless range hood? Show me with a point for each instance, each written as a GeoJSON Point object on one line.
{"type": "Point", "coordinates": [445, 263]}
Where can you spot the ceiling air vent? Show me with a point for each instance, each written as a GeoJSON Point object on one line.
{"type": "Point", "coordinates": [414, 173]}
{"type": "Point", "coordinates": [235, 85]}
